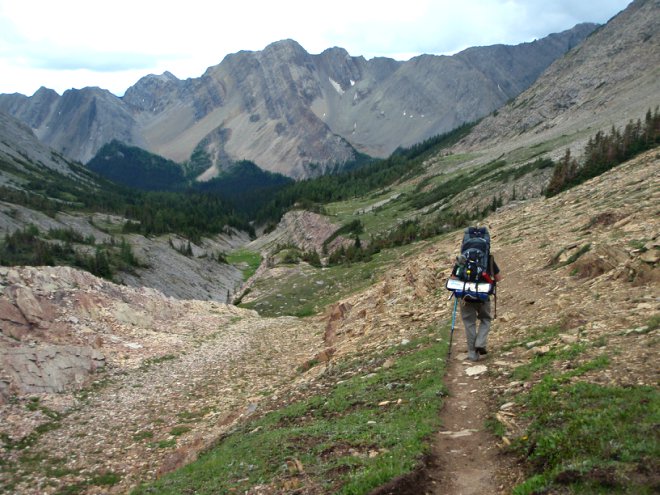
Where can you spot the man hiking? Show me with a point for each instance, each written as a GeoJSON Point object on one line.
{"type": "Point", "coordinates": [474, 277]}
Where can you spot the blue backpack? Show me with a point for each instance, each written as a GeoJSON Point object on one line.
{"type": "Point", "coordinates": [472, 282]}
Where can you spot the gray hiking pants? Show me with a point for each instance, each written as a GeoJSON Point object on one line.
{"type": "Point", "coordinates": [476, 336]}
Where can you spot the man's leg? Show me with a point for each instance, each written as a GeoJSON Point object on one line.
{"type": "Point", "coordinates": [469, 317]}
{"type": "Point", "coordinates": [484, 315]}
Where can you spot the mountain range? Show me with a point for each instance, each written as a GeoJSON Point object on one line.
{"type": "Point", "coordinates": [289, 111]}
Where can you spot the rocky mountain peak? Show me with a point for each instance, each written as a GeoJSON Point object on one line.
{"type": "Point", "coordinates": [153, 93]}
{"type": "Point", "coordinates": [285, 50]}
{"type": "Point", "coordinates": [44, 92]}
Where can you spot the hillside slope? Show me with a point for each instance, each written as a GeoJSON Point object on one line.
{"type": "Point", "coordinates": [45, 191]}
{"type": "Point", "coordinates": [169, 360]}
{"type": "Point", "coordinates": [20, 150]}
{"type": "Point", "coordinates": [613, 77]}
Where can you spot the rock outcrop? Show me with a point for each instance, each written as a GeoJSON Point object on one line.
{"type": "Point", "coordinates": [60, 326]}
{"type": "Point", "coordinates": [303, 229]}
{"type": "Point", "coordinates": [48, 369]}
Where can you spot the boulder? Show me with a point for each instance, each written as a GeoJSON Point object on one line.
{"type": "Point", "coordinates": [48, 368]}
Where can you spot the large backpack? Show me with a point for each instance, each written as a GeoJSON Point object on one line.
{"type": "Point", "coordinates": [472, 268]}
{"type": "Point", "coordinates": [475, 252]}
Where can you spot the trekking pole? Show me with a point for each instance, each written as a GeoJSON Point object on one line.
{"type": "Point", "coordinates": [495, 297]}
{"type": "Point", "coordinates": [453, 323]}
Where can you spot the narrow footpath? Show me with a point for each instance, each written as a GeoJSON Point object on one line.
{"type": "Point", "coordinates": [466, 452]}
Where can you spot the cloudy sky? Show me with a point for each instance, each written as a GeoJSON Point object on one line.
{"type": "Point", "coordinates": [64, 44]}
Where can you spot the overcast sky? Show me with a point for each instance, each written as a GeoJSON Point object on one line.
{"type": "Point", "coordinates": [64, 44]}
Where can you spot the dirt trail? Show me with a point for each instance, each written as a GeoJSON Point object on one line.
{"type": "Point", "coordinates": [466, 451]}
{"type": "Point", "coordinates": [467, 455]}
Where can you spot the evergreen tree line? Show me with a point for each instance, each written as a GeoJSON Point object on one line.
{"type": "Point", "coordinates": [403, 164]}
{"type": "Point", "coordinates": [190, 214]}
{"type": "Point", "coordinates": [245, 186]}
{"type": "Point", "coordinates": [330, 188]}
{"type": "Point", "coordinates": [432, 144]}
{"type": "Point", "coordinates": [135, 167]}
{"type": "Point", "coordinates": [28, 247]}
{"type": "Point", "coordinates": [604, 151]}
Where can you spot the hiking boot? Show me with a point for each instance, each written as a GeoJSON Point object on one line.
{"type": "Point", "coordinates": [481, 350]}
{"type": "Point", "coordinates": [473, 356]}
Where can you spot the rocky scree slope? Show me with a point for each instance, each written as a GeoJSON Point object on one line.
{"type": "Point", "coordinates": [162, 264]}
{"type": "Point", "coordinates": [153, 363]}
{"type": "Point", "coordinates": [285, 109]}
{"type": "Point", "coordinates": [20, 150]}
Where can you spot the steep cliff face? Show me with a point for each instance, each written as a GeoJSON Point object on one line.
{"type": "Point", "coordinates": [286, 109]}
{"type": "Point", "coordinates": [153, 93]}
{"type": "Point", "coordinates": [612, 77]}
{"type": "Point", "coordinates": [266, 112]}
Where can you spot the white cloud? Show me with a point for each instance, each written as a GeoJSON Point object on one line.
{"type": "Point", "coordinates": [112, 44]}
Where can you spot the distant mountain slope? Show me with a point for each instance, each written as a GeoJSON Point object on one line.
{"type": "Point", "coordinates": [23, 158]}
{"type": "Point", "coordinates": [77, 123]}
{"type": "Point", "coordinates": [614, 76]}
{"type": "Point", "coordinates": [134, 167]}
{"type": "Point", "coordinates": [287, 110]}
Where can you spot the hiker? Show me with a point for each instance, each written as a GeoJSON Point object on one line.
{"type": "Point", "coordinates": [475, 265]}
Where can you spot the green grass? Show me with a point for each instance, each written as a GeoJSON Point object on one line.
{"type": "Point", "coordinates": [105, 479]}
{"type": "Point", "coordinates": [346, 442]}
{"type": "Point", "coordinates": [163, 444]}
{"type": "Point", "coordinates": [541, 362]}
{"type": "Point", "coordinates": [379, 219]}
{"type": "Point", "coordinates": [152, 361]}
{"type": "Point", "coordinates": [584, 437]}
{"type": "Point", "coordinates": [520, 155]}
{"type": "Point", "coordinates": [653, 322]}
{"type": "Point", "coordinates": [192, 416]}
{"type": "Point", "coordinates": [592, 438]}
{"type": "Point", "coordinates": [177, 431]}
{"type": "Point", "coordinates": [247, 261]}
{"type": "Point", "coordinates": [306, 290]}
{"type": "Point", "coordinates": [440, 164]}
{"type": "Point", "coordinates": [143, 435]}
